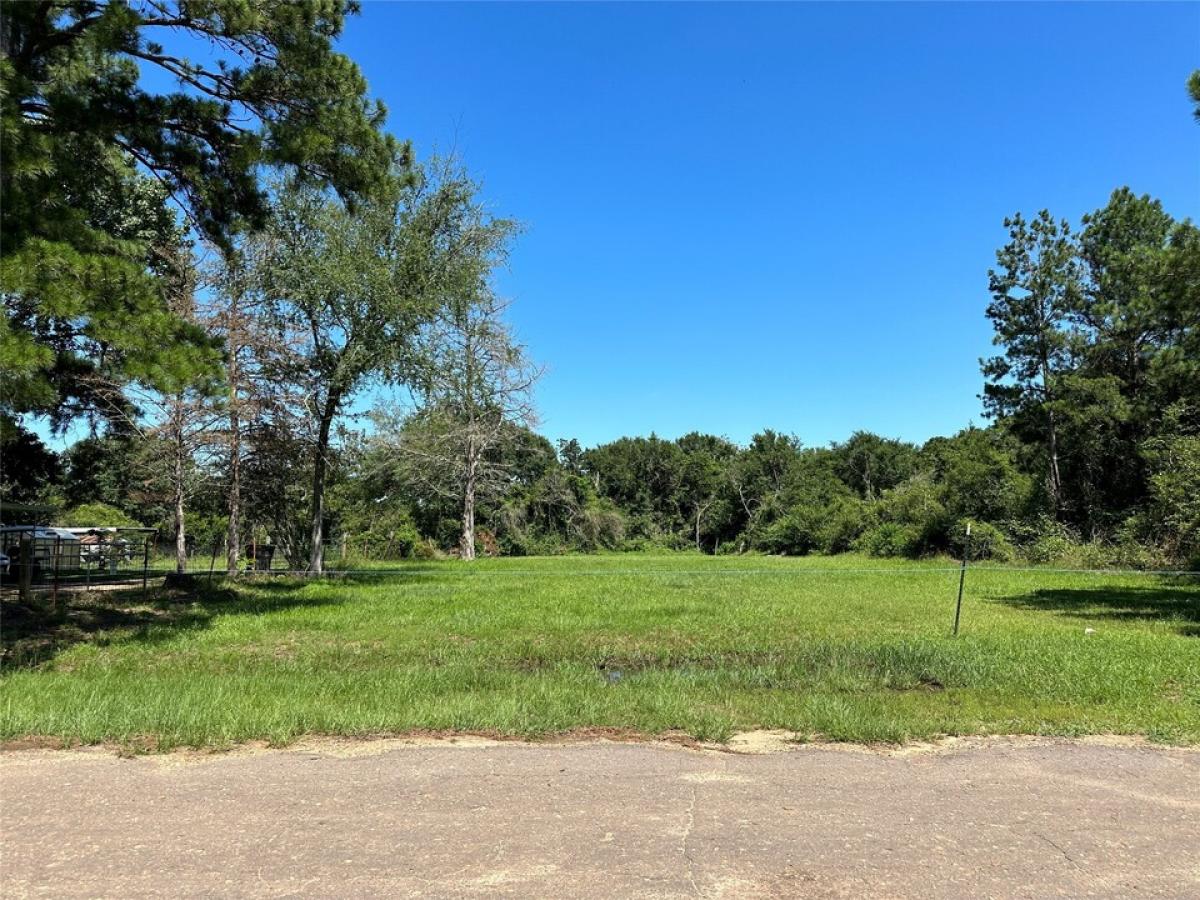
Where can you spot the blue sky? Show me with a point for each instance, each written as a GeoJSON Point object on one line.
{"type": "Point", "coordinates": [749, 216]}
{"type": "Point", "coordinates": [742, 216]}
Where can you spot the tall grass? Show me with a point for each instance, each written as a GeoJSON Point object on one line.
{"type": "Point", "coordinates": [843, 648]}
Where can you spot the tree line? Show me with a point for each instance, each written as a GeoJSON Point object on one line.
{"type": "Point", "coordinates": [216, 280]}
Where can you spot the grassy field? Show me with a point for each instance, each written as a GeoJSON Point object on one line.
{"type": "Point", "coordinates": [843, 648]}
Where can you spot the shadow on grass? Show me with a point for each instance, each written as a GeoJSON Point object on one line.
{"type": "Point", "coordinates": [1160, 602]}
{"type": "Point", "coordinates": [32, 635]}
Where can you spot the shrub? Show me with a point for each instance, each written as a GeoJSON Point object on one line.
{"type": "Point", "coordinates": [796, 534]}
{"type": "Point", "coordinates": [86, 514]}
{"type": "Point", "coordinates": [987, 541]}
{"type": "Point", "coordinates": [731, 548]}
{"type": "Point", "coordinates": [426, 549]}
{"type": "Point", "coordinates": [1046, 540]}
{"type": "Point", "coordinates": [917, 505]}
{"type": "Point", "coordinates": [1173, 458]}
{"type": "Point", "coordinates": [845, 521]}
{"type": "Point", "coordinates": [598, 527]}
{"type": "Point", "coordinates": [891, 539]}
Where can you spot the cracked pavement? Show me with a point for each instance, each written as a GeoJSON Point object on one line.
{"type": "Point", "coordinates": [986, 818]}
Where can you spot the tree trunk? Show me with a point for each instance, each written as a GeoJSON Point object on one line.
{"type": "Point", "coordinates": [180, 528]}
{"type": "Point", "coordinates": [466, 544]}
{"type": "Point", "coordinates": [233, 535]}
{"type": "Point", "coordinates": [1051, 438]}
{"type": "Point", "coordinates": [316, 563]}
{"type": "Point", "coordinates": [1055, 477]}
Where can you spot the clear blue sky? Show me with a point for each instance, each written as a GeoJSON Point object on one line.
{"type": "Point", "coordinates": [780, 215]}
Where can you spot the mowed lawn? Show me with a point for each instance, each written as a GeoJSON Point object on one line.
{"type": "Point", "coordinates": [844, 648]}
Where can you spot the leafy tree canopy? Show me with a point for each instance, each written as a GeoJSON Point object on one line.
{"type": "Point", "coordinates": [85, 230]}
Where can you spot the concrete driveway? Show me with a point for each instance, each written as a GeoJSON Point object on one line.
{"type": "Point", "coordinates": [972, 818]}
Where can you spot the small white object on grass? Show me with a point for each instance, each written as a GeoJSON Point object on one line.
{"type": "Point", "coordinates": [1089, 631]}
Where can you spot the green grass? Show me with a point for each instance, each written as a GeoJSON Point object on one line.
{"type": "Point", "coordinates": [843, 648]}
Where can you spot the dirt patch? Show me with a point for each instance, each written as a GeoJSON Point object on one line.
{"type": "Point", "coordinates": [765, 741]}
{"type": "Point", "coordinates": [32, 743]}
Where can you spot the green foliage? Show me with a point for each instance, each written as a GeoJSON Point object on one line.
{"type": "Point", "coordinates": [980, 476]}
{"type": "Point", "coordinates": [890, 539]}
{"type": "Point", "coordinates": [1173, 458]}
{"type": "Point", "coordinates": [29, 470]}
{"type": "Point", "coordinates": [88, 307]}
{"type": "Point", "coordinates": [94, 514]}
{"type": "Point", "coordinates": [265, 88]}
{"type": "Point", "coordinates": [378, 530]}
{"type": "Point", "coordinates": [558, 511]}
{"type": "Point", "coordinates": [1044, 539]}
{"type": "Point", "coordinates": [844, 520]}
{"type": "Point", "coordinates": [91, 156]}
{"type": "Point", "coordinates": [111, 469]}
{"type": "Point", "coordinates": [1100, 335]}
{"type": "Point", "coordinates": [986, 541]}
{"type": "Point", "coordinates": [869, 464]}
{"type": "Point", "coordinates": [798, 533]}
{"type": "Point", "coordinates": [346, 291]}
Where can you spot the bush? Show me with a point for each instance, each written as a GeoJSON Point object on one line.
{"type": "Point", "coordinates": [598, 527]}
{"type": "Point", "coordinates": [1046, 540]}
{"type": "Point", "coordinates": [987, 541]}
{"type": "Point", "coordinates": [796, 534]}
{"type": "Point", "coordinates": [94, 514]}
{"type": "Point", "coordinates": [845, 521]}
{"type": "Point", "coordinates": [891, 539]}
{"type": "Point", "coordinates": [917, 506]}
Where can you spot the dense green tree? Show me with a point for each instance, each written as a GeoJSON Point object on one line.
{"type": "Point", "coordinates": [762, 471]}
{"type": "Point", "coordinates": [642, 476]}
{"type": "Point", "coordinates": [570, 454]}
{"type": "Point", "coordinates": [705, 489]}
{"type": "Point", "coordinates": [106, 469]}
{"type": "Point", "coordinates": [349, 290]}
{"type": "Point", "coordinates": [871, 464]}
{"type": "Point", "coordinates": [259, 85]}
{"type": "Point", "coordinates": [979, 475]}
{"type": "Point", "coordinates": [1173, 457]}
{"type": "Point", "coordinates": [1035, 290]}
{"type": "Point", "coordinates": [558, 511]}
{"type": "Point", "coordinates": [29, 470]}
{"type": "Point", "coordinates": [88, 515]}
{"type": "Point", "coordinates": [86, 313]}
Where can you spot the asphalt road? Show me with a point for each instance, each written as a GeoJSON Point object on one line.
{"type": "Point", "coordinates": [1000, 818]}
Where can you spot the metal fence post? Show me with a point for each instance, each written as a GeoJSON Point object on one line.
{"type": "Point", "coordinates": [962, 577]}
{"type": "Point", "coordinates": [145, 564]}
{"type": "Point", "coordinates": [25, 575]}
{"type": "Point", "coordinates": [54, 573]}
